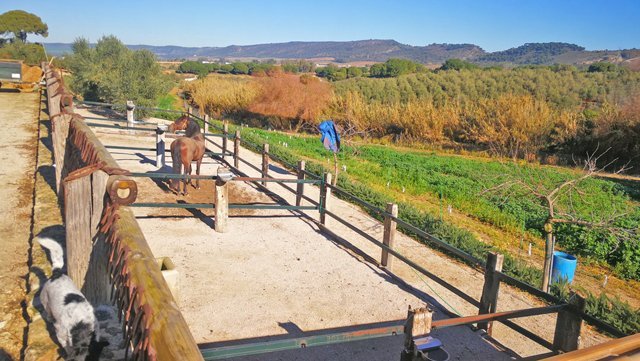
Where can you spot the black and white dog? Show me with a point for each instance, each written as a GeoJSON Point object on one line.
{"type": "Point", "coordinates": [72, 315]}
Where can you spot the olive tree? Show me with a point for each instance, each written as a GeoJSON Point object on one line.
{"type": "Point", "coordinates": [112, 73]}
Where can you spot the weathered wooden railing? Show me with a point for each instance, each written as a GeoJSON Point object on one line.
{"type": "Point", "coordinates": [107, 254]}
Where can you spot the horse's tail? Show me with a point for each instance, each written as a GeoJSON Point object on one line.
{"type": "Point", "coordinates": [55, 251]}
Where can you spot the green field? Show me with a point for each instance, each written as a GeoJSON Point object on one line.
{"type": "Point", "coordinates": [378, 174]}
{"type": "Point", "coordinates": [415, 178]}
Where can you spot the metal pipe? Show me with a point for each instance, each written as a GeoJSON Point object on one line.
{"type": "Point", "coordinates": [629, 346]}
{"type": "Point", "coordinates": [224, 352]}
{"type": "Point", "coordinates": [170, 176]}
{"type": "Point", "coordinates": [279, 180]}
{"type": "Point", "coordinates": [498, 316]}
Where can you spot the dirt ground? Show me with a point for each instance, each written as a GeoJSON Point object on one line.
{"type": "Point", "coordinates": [18, 140]}
{"type": "Point", "coordinates": [275, 273]}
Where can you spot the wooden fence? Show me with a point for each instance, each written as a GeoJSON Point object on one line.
{"type": "Point", "coordinates": [570, 315]}
{"type": "Point", "coordinates": [107, 254]}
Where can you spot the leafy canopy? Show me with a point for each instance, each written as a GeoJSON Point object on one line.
{"type": "Point", "coordinates": [113, 73]}
{"type": "Point", "coordinates": [20, 23]}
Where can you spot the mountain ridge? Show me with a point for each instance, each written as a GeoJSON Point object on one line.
{"type": "Point", "coordinates": [380, 50]}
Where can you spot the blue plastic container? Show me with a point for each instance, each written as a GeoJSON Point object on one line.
{"type": "Point", "coordinates": [563, 267]}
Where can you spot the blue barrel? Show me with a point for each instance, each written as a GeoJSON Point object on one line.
{"type": "Point", "coordinates": [564, 266]}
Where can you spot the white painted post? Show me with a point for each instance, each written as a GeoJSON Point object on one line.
{"type": "Point", "coordinates": [160, 145]}
{"type": "Point", "coordinates": [221, 200]}
{"type": "Point", "coordinates": [206, 123]}
{"type": "Point", "coordinates": [130, 108]}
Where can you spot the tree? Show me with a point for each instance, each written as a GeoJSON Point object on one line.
{"type": "Point", "coordinates": [559, 200]}
{"type": "Point", "coordinates": [20, 23]}
{"type": "Point", "coordinates": [378, 70]}
{"type": "Point", "coordinates": [354, 72]}
{"type": "Point", "coordinates": [457, 64]}
{"type": "Point", "coordinates": [112, 73]}
{"type": "Point", "coordinates": [240, 68]}
{"type": "Point", "coordinates": [602, 67]}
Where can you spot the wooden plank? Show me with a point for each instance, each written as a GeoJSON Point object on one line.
{"type": "Point", "coordinates": [568, 325]}
{"type": "Point", "coordinates": [418, 324]}
{"type": "Point", "coordinates": [225, 132]}
{"type": "Point", "coordinates": [265, 162]}
{"type": "Point", "coordinates": [77, 197]}
{"type": "Point", "coordinates": [221, 203]}
{"type": "Point", "coordinates": [236, 150]}
{"type": "Point", "coordinates": [97, 286]}
{"type": "Point", "coordinates": [300, 187]}
{"type": "Point", "coordinates": [490, 291]}
{"type": "Point", "coordinates": [389, 235]}
{"type": "Point", "coordinates": [169, 334]}
{"type": "Point", "coordinates": [325, 198]}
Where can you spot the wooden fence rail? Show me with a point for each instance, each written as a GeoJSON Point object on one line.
{"type": "Point", "coordinates": [107, 254]}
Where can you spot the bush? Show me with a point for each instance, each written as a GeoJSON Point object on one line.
{"type": "Point", "coordinates": [112, 73]}
{"type": "Point", "coordinates": [31, 54]}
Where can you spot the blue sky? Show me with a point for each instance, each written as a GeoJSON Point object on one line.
{"type": "Point", "coordinates": [493, 25]}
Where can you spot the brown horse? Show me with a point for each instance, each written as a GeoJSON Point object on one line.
{"type": "Point", "coordinates": [185, 150]}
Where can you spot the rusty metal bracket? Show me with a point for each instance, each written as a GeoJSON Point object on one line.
{"type": "Point", "coordinates": [83, 172]}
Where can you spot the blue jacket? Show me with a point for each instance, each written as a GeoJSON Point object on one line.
{"type": "Point", "coordinates": [330, 137]}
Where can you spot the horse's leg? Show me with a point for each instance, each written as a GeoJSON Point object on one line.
{"type": "Point", "coordinates": [198, 162]}
{"type": "Point", "coordinates": [176, 159]}
{"type": "Point", "coordinates": [187, 173]}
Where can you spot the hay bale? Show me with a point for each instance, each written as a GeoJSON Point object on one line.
{"type": "Point", "coordinates": [31, 74]}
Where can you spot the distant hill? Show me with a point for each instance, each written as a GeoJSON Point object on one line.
{"type": "Point", "coordinates": [381, 50]}
{"type": "Point", "coordinates": [530, 53]}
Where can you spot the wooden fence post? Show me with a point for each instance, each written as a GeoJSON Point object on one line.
{"type": "Point", "coordinates": [489, 298]}
{"type": "Point", "coordinates": [418, 324]}
{"type": "Point", "coordinates": [222, 202]}
{"type": "Point", "coordinates": [300, 187]}
{"type": "Point", "coordinates": [265, 162]}
{"type": "Point", "coordinates": [206, 123]}
{"type": "Point", "coordinates": [225, 134]}
{"type": "Point", "coordinates": [568, 325]}
{"type": "Point", "coordinates": [60, 127]}
{"type": "Point", "coordinates": [389, 235]}
{"type": "Point", "coordinates": [77, 195]}
{"type": "Point", "coordinates": [160, 146]}
{"type": "Point", "coordinates": [236, 149]}
{"type": "Point", "coordinates": [325, 198]}
{"type": "Point", "coordinates": [97, 287]}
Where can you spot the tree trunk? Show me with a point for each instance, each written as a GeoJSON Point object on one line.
{"type": "Point", "coordinates": [548, 256]}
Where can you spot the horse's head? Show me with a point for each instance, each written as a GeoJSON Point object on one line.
{"type": "Point", "coordinates": [180, 124]}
